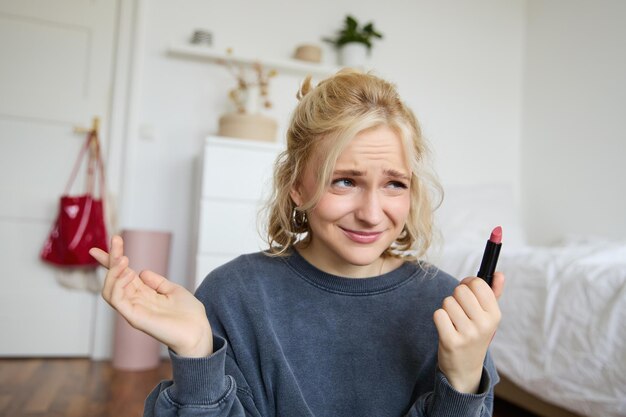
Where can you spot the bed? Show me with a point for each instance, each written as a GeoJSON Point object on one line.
{"type": "Point", "coordinates": [561, 345]}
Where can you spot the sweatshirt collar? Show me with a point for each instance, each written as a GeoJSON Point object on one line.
{"type": "Point", "coordinates": [352, 286]}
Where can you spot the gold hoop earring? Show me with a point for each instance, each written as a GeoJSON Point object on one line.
{"type": "Point", "coordinates": [299, 220]}
{"type": "Point", "coordinates": [402, 237]}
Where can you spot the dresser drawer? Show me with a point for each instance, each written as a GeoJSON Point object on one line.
{"type": "Point", "coordinates": [235, 180]}
{"type": "Point", "coordinates": [229, 227]}
{"type": "Point", "coordinates": [238, 170]}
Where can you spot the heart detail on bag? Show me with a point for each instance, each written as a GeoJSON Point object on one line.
{"type": "Point", "coordinates": [71, 211]}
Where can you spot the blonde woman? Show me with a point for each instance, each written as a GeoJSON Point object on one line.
{"type": "Point", "coordinates": [339, 317]}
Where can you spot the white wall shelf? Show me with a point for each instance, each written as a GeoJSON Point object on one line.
{"type": "Point", "coordinates": [291, 66]}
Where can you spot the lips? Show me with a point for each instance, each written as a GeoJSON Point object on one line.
{"type": "Point", "coordinates": [360, 236]}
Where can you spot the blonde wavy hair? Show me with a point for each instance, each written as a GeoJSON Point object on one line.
{"type": "Point", "coordinates": [333, 113]}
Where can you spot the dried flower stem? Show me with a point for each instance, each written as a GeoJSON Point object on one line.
{"type": "Point", "coordinates": [240, 94]}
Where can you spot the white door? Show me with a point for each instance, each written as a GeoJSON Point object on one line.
{"type": "Point", "coordinates": [56, 63]}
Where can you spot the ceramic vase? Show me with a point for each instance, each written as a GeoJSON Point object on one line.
{"type": "Point", "coordinates": [353, 55]}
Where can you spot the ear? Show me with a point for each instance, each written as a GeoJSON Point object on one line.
{"type": "Point", "coordinates": [296, 195]}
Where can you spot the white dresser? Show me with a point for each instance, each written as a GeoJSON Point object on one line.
{"type": "Point", "coordinates": [235, 179]}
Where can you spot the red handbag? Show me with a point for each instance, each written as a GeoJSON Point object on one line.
{"type": "Point", "coordinates": [80, 223]}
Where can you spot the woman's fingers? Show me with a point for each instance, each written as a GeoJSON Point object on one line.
{"type": "Point", "coordinates": [119, 276]}
{"type": "Point", "coordinates": [466, 324]}
{"type": "Point", "coordinates": [114, 276]}
{"type": "Point", "coordinates": [486, 295]}
{"type": "Point", "coordinates": [464, 295]}
{"type": "Point", "coordinates": [114, 261]}
{"type": "Point", "coordinates": [156, 282]}
{"type": "Point", "coordinates": [444, 325]}
{"type": "Point", "coordinates": [473, 308]}
{"type": "Point", "coordinates": [123, 287]}
{"type": "Point", "coordinates": [154, 305]}
{"type": "Point", "coordinates": [458, 316]}
{"type": "Point", "coordinates": [117, 249]}
{"type": "Point", "coordinates": [497, 285]}
{"type": "Point", "coordinates": [101, 256]}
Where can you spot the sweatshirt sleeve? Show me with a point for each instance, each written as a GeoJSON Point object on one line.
{"type": "Point", "coordinates": [445, 401]}
{"type": "Point", "coordinates": [200, 387]}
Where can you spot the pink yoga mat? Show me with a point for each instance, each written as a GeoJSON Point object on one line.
{"type": "Point", "coordinates": [134, 350]}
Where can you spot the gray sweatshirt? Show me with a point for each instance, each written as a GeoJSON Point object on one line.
{"type": "Point", "coordinates": [291, 340]}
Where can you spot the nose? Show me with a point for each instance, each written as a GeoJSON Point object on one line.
{"type": "Point", "coordinates": [370, 209]}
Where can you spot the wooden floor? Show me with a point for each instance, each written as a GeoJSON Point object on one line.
{"type": "Point", "coordinates": [84, 388]}
{"type": "Point", "coordinates": [73, 388]}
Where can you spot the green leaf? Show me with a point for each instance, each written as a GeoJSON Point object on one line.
{"type": "Point", "coordinates": [352, 33]}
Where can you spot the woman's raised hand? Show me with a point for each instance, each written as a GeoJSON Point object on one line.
{"type": "Point", "coordinates": [154, 305]}
{"type": "Point", "coordinates": [466, 323]}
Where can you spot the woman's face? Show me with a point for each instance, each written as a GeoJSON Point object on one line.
{"type": "Point", "coordinates": [364, 208]}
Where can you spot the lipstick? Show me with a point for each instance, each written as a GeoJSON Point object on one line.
{"type": "Point", "coordinates": [490, 256]}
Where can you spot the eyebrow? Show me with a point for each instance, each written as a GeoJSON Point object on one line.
{"type": "Point", "coordinates": [391, 173]}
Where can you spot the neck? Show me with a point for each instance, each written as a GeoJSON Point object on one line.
{"type": "Point", "coordinates": [380, 266]}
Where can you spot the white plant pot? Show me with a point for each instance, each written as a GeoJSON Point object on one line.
{"type": "Point", "coordinates": [353, 55]}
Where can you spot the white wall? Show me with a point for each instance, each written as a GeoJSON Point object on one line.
{"type": "Point", "coordinates": [573, 170]}
{"type": "Point", "coordinates": [458, 64]}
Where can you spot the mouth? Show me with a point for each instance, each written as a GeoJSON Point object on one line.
{"type": "Point", "coordinates": [361, 236]}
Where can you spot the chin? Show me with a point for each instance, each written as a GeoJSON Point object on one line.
{"type": "Point", "coordinates": [367, 257]}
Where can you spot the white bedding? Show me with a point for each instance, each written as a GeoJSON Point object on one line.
{"type": "Point", "coordinates": [563, 331]}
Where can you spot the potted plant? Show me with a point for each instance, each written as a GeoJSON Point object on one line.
{"type": "Point", "coordinates": [354, 41]}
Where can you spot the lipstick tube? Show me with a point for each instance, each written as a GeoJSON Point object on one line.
{"type": "Point", "coordinates": [490, 256]}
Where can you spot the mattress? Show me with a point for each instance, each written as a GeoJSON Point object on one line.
{"type": "Point", "coordinates": [562, 336]}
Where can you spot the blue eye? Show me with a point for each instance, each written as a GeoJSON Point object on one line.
{"type": "Point", "coordinates": [343, 183]}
